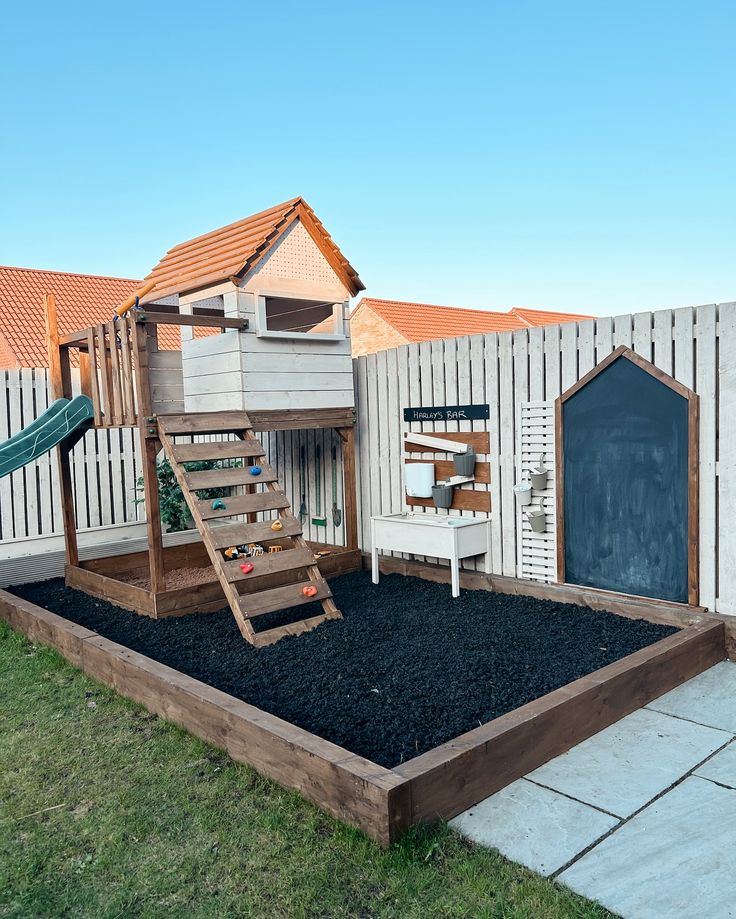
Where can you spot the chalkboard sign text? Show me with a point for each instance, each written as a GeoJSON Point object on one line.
{"type": "Point", "coordinates": [448, 413]}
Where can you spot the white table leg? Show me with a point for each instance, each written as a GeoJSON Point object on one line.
{"type": "Point", "coordinates": [455, 567]}
{"type": "Point", "coordinates": [374, 555]}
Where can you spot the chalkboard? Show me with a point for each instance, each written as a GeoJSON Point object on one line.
{"type": "Point", "coordinates": [448, 413]}
{"type": "Point", "coordinates": [625, 462]}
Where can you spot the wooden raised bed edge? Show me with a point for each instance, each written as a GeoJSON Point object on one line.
{"type": "Point", "coordinates": [458, 774]}
{"type": "Point", "coordinates": [349, 787]}
{"type": "Point", "coordinates": [382, 802]}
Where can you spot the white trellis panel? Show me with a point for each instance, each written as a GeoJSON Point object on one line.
{"type": "Point", "coordinates": [536, 438]}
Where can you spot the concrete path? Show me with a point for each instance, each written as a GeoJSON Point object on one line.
{"type": "Point", "coordinates": [642, 816]}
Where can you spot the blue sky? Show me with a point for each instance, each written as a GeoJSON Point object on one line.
{"type": "Point", "coordinates": [558, 155]}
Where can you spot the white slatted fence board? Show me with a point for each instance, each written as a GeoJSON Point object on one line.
{"type": "Point", "coordinates": [537, 551]}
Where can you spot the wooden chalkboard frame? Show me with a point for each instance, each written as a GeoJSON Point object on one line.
{"type": "Point", "coordinates": [693, 461]}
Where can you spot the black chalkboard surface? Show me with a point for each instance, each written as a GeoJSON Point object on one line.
{"type": "Point", "coordinates": [625, 461]}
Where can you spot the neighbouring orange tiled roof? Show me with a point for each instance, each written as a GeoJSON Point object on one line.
{"type": "Point", "coordinates": [232, 251]}
{"type": "Point", "coordinates": [422, 322]}
{"type": "Point", "coordinates": [542, 317]}
{"type": "Point", "coordinates": [82, 300]}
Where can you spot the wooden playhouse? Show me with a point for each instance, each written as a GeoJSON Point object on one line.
{"type": "Point", "coordinates": [262, 306]}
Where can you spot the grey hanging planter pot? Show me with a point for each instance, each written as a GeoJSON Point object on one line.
{"type": "Point", "coordinates": [538, 519]}
{"type": "Point", "coordinates": [464, 463]}
{"type": "Point", "coordinates": [523, 492]}
{"type": "Point", "coordinates": [539, 474]}
{"type": "Point", "coordinates": [442, 495]}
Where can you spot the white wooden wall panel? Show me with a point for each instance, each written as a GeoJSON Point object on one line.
{"type": "Point", "coordinates": [726, 460]}
{"type": "Point", "coordinates": [491, 371]}
{"type": "Point", "coordinates": [706, 367]}
{"type": "Point", "coordinates": [536, 438]}
{"type": "Point", "coordinates": [505, 424]}
{"type": "Point", "coordinates": [603, 341]}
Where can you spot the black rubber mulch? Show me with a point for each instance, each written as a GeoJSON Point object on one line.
{"type": "Point", "coordinates": [408, 669]}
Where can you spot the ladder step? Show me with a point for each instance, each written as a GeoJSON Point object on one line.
{"type": "Point", "coordinates": [217, 450]}
{"type": "Point", "coordinates": [295, 560]}
{"type": "Point", "coordinates": [268, 601]}
{"type": "Point", "coordinates": [205, 423]}
{"type": "Point", "coordinates": [271, 636]}
{"type": "Point", "coordinates": [222, 478]}
{"type": "Point", "coordinates": [238, 534]}
{"type": "Point", "coordinates": [286, 560]}
{"type": "Point", "coordinates": [245, 504]}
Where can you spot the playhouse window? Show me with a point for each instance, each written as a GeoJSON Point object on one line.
{"type": "Point", "coordinates": [287, 314]}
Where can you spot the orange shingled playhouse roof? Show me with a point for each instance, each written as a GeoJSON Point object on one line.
{"type": "Point", "coordinates": [230, 252]}
{"type": "Point", "coordinates": [422, 322]}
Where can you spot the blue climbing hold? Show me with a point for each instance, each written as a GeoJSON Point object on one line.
{"type": "Point", "coordinates": [255, 470]}
{"type": "Point", "coordinates": [218, 505]}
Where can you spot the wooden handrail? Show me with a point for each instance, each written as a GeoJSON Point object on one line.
{"type": "Point", "coordinates": [216, 322]}
{"type": "Point", "coordinates": [129, 302]}
{"type": "Point", "coordinates": [74, 338]}
{"type": "Point", "coordinates": [77, 339]}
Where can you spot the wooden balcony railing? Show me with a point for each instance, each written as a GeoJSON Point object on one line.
{"type": "Point", "coordinates": [114, 365]}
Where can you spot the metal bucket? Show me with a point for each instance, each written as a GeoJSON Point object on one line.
{"type": "Point", "coordinates": [538, 519]}
{"type": "Point", "coordinates": [539, 478]}
{"type": "Point", "coordinates": [538, 475]}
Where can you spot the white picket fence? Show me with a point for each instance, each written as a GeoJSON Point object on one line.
{"type": "Point", "coordinates": [505, 370]}
{"type": "Point", "coordinates": [106, 465]}
{"type": "Point", "coordinates": [105, 468]}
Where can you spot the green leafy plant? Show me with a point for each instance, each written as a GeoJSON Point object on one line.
{"type": "Point", "coordinates": [174, 511]}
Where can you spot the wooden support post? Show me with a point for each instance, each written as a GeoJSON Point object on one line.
{"type": "Point", "coordinates": [150, 444]}
{"type": "Point", "coordinates": [347, 436]}
{"type": "Point", "coordinates": [150, 447]}
{"type": "Point", "coordinates": [251, 490]}
{"type": "Point", "coordinates": [60, 379]}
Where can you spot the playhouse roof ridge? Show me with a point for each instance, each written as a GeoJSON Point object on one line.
{"type": "Point", "coordinates": [231, 251]}
{"type": "Point", "coordinates": [284, 207]}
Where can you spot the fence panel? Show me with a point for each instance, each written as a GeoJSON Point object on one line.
{"type": "Point", "coordinates": [105, 467]}
{"type": "Point", "coordinates": [696, 345]}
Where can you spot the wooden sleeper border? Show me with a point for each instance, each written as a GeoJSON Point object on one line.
{"type": "Point", "coordinates": [382, 802]}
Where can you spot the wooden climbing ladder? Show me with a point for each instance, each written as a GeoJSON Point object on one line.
{"type": "Point", "coordinates": [278, 578]}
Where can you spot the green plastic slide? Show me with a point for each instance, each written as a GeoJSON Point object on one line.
{"type": "Point", "coordinates": [58, 421]}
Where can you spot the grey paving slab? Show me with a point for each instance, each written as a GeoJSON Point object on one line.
{"type": "Point", "coordinates": [533, 826]}
{"type": "Point", "coordinates": [676, 858]}
{"type": "Point", "coordinates": [709, 698]}
{"type": "Point", "coordinates": [623, 767]}
{"type": "Point", "coordinates": [721, 768]}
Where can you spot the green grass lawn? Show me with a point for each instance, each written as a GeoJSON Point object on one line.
{"type": "Point", "coordinates": [105, 810]}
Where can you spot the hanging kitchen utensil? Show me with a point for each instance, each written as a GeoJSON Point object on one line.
{"type": "Point", "coordinates": [336, 512]}
{"type": "Point", "coordinates": [303, 483]}
{"type": "Point", "coordinates": [318, 520]}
